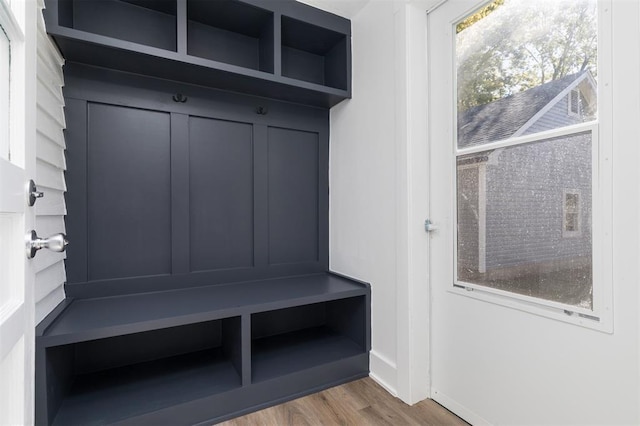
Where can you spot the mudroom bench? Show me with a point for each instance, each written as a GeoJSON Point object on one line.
{"type": "Point", "coordinates": [200, 355]}
{"type": "Point", "coordinates": [197, 274]}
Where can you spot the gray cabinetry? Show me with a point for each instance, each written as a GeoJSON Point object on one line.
{"type": "Point", "coordinates": [198, 283]}
{"type": "Point", "coordinates": [279, 49]}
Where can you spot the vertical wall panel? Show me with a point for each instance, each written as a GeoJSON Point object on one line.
{"type": "Point", "coordinates": [221, 194]}
{"type": "Point", "coordinates": [293, 196]}
{"type": "Point", "coordinates": [129, 192]}
{"type": "Point", "coordinates": [166, 195]}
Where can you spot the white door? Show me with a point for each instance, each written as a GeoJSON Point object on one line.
{"type": "Point", "coordinates": [522, 325]}
{"type": "Point", "coordinates": [17, 165]}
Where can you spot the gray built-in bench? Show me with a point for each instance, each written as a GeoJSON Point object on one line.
{"type": "Point", "coordinates": [201, 354]}
{"type": "Point", "coordinates": [198, 284]}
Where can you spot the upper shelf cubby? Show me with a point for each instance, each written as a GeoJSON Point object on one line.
{"type": "Point", "coordinates": [148, 22]}
{"type": "Point", "coordinates": [314, 54]}
{"type": "Point", "coordinates": [232, 32]}
{"type": "Point", "coordinates": [281, 49]}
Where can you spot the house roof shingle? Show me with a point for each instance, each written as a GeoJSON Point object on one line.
{"type": "Point", "coordinates": [502, 118]}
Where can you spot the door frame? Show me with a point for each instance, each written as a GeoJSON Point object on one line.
{"type": "Point", "coordinates": [413, 203]}
{"type": "Point", "coordinates": [19, 317]}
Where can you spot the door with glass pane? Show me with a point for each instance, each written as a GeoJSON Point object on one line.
{"type": "Point", "coordinates": [17, 158]}
{"type": "Point", "coordinates": [516, 191]}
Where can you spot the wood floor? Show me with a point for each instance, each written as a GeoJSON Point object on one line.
{"type": "Point", "coordinates": [362, 402]}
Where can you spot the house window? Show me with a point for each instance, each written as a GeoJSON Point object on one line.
{"type": "Point", "coordinates": [571, 224]}
{"type": "Point", "coordinates": [575, 103]}
{"type": "Point", "coordinates": [516, 70]}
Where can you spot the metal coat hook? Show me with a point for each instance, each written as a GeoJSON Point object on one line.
{"type": "Point", "coordinates": [179, 97]}
{"type": "Point", "coordinates": [262, 110]}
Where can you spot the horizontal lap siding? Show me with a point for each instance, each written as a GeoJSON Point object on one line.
{"type": "Point", "coordinates": [50, 167]}
{"type": "Point", "coordinates": [525, 202]}
{"type": "Point", "coordinates": [555, 118]}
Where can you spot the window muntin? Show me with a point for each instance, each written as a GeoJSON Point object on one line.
{"type": "Point", "coordinates": [513, 167]}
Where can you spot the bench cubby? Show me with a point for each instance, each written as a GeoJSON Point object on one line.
{"type": "Point", "coordinates": [297, 338]}
{"type": "Point", "coordinates": [115, 378]}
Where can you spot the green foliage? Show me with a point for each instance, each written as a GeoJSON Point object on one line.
{"type": "Point", "coordinates": [482, 13]}
{"type": "Point", "coordinates": [513, 45]}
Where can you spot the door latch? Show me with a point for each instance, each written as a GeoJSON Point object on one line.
{"type": "Point", "coordinates": [33, 193]}
{"type": "Point", "coordinates": [429, 226]}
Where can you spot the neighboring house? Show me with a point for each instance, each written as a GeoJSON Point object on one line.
{"type": "Point", "coordinates": [538, 223]}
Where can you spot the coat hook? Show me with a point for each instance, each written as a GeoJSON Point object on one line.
{"type": "Point", "coordinates": [262, 110]}
{"type": "Point", "coordinates": [179, 97]}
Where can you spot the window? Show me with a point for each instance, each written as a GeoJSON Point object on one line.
{"type": "Point", "coordinates": [574, 103]}
{"type": "Point", "coordinates": [572, 220]}
{"type": "Point", "coordinates": [521, 82]}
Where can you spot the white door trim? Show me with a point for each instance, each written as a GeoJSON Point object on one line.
{"type": "Point", "coordinates": [412, 203]}
{"type": "Point", "coordinates": [17, 320]}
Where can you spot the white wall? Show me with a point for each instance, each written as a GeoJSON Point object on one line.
{"type": "Point", "coordinates": [363, 179]}
{"type": "Point", "coordinates": [50, 166]}
{"type": "Point", "coordinates": [374, 136]}
{"type": "Point", "coordinates": [373, 231]}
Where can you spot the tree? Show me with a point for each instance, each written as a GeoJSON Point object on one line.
{"type": "Point", "coordinates": [480, 14]}
{"type": "Point", "coordinates": [513, 45]}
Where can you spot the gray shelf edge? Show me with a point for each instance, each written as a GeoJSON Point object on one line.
{"type": "Point", "coordinates": [176, 321]}
{"type": "Point", "coordinates": [46, 322]}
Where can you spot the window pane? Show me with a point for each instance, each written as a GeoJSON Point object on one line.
{"type": "Point", "coordinates": [524, 67]}
{"type": "Point", "coordinates": [514, 208]}
{"type": "Point", "coordinates": [4, 95]}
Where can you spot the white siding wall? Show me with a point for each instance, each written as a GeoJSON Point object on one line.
{"type": "Point", "coordinates": [50, 166]}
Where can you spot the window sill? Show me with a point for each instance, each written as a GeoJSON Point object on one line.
{"type": "Point", "coordinates": [599, 320]}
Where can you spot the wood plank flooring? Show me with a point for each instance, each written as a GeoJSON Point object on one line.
{"type": "Point", "coordinates": [362, 402]}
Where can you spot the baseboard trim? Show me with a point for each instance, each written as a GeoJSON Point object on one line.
{"type": "Point", "coordinates": [458, 409]}
{"type": "Point", "coordinates": [384, 372]}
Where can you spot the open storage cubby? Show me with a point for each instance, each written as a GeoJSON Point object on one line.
{"type": "Point", "coordinates": [287, 340]}
{"type": "Point", "coordinates": [232, 32]}
{"type": "Point", "coordinates": [314, 54]}
{"type": "Point", "coordinates": [280, 49]}
{"type": "Point", "coordinates": [107, 380]}
{"type": "Point", "coordinates": [148, 22]}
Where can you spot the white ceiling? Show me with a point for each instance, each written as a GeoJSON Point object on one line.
{"type": "Point", "coordinates": [346, 8]}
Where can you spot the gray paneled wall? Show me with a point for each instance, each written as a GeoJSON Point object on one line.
{"type": "Point", "coordinates": [128, 192]}
{"type": "Point", "coordinates": [293, 196]}
{"type": "Point", "coordinates": [220, 174]}
{"type": "Point", "coordinates": [166, 194]}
